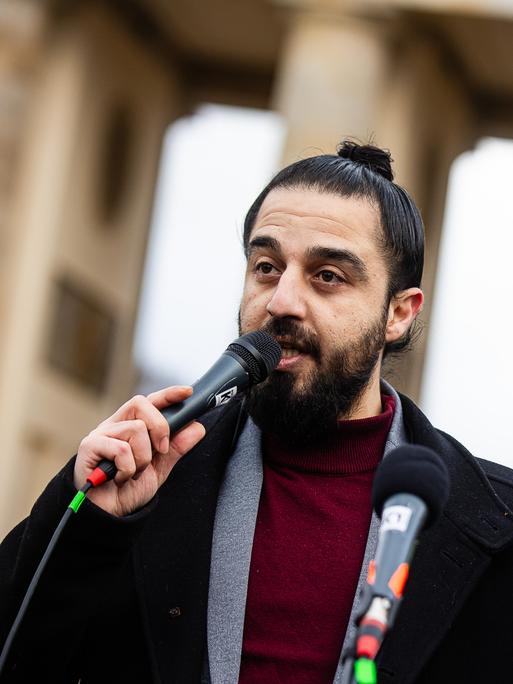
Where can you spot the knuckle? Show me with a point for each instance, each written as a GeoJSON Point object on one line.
{"type": "Point", "coordinates": [140, 425]}
{"type": "Point", "coordinates": [83, 444]}
{"type": "Point", "coordinates": [125, 466]}
{"type": "Point", "coordinates": [125, 449]}
{"type": "Point", "coordinates": [87, 442]}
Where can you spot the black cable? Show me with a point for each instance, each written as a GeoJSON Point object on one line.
{"type": "Point", "coordinates": [72, 508]}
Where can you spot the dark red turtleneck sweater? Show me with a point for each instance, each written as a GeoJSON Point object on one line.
{"type": "Point", "coordinates": [310, 537]}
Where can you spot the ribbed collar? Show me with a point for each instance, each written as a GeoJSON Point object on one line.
{"type": "Point", "coordinates": [356, 447]}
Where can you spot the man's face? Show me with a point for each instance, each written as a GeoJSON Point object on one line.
{"type": "Point", "coordinates": [316, 280]}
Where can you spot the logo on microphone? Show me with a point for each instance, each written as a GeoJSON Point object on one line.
{"type": "Point", "coordinates": [225, 396]}
{"type": "Point", "coordinates": [396, 518]}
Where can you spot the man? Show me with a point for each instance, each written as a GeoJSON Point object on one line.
{"type": "Point", "coordinates": [242, 561]}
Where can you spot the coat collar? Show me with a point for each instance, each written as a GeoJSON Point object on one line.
{"type": "Point", "coordinates": [473, 506]}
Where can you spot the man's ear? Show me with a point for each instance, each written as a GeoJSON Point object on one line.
{"type": "Point", "coordinates": [404, 307]}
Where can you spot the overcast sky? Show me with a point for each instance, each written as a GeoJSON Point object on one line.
{"type": "Point", "coordinates": [213, 166]}
{"type": "Point", "coordinates": [469, 370]}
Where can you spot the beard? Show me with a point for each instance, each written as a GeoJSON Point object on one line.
{"type": "Point", "coordinates": [302, 413]}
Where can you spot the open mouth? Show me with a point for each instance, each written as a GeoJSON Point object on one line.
{"type": "Point", "coordinates": [289, 352]}
{"type": "Point", "coordinates": [291, 348]}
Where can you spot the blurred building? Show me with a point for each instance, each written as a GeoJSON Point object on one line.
{"type": "Point", "coordinates": [87, 89]}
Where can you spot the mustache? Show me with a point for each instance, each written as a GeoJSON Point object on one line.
{"type": "Point", "coordinates": [296, 334]}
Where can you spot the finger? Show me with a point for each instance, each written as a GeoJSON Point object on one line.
{"type": "Point", "coordinates": [125, 462]}
{"type": "Point", "coordinates": [170, 395]}
{"type": "Point", "coordinates": [136, 434]}
{"type": "Point", "coordinates": [140, 408]}
{"type": "Point", "coordinates": [181, 443]}
{"type": "Point", "coordinates": [184, 440]}
{"type": "Point", "coordinates": [116, 450]}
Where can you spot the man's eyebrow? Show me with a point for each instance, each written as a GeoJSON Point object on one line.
{"type": "Point", "coordinates": [340, 255]}
{"type": "Point", "coordinates": [315, 252]}
{"type": "Point", "coordinates": [265, 242]}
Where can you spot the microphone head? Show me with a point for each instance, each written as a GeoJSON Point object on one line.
{"type": "Point", "coordinates": [412, 469]}
{"type": "Point", "coordinates": [260, 353]}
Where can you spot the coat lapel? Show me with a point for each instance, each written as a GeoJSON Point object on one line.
{"type": "Point", "coordinates": [234, 529]}
{"type": "Point", "coordinates": [446, 567]}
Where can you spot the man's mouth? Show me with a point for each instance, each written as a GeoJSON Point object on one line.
{"type": "Point", "coordinates": [290, 345]}
{"type": "Point", "coordinates": [289, 352]}
{"type": "Point", "coordinates": [292, 351]}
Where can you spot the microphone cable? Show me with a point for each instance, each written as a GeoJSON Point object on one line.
{"type": "Point", "coordinates": [106, 470]}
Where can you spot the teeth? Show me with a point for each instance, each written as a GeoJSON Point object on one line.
{"type": "Point", "coordinates": [288, 353]}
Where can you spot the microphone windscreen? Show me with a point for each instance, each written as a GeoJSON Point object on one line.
{"type": "Point", "coordinates": [260, 352]}
{"type": "Point", "coordinates": [412, 469]}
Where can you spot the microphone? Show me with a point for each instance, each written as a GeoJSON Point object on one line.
{"type": "Point", "coordinates": [410, 490]}
{"type": "Point", "coordinates": [247, 361]}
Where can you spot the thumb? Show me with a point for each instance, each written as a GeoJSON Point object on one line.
{"type": "Point", "coordinates": [182, 442]}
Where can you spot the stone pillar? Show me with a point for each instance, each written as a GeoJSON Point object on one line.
{"type": "Point", "coordinates": [343, 75]}
{"type": "Point", "coordinates": [330, 81]}
{"type": "Point", "coordinates": [426, 120]}
{"type": "Point", "coordinates": [82, 192]}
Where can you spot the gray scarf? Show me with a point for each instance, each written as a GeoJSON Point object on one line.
{"type": "Point", "coordinates": [234, 528]}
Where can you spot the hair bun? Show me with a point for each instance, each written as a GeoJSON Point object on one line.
{"type": "Point", "coordinates": [374, 158]}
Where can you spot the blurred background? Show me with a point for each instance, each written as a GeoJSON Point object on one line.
{"type": "Point", "coordinates": [134, 134]}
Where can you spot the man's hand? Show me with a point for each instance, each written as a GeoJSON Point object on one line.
{"type": "Point", "coordinates": [136, 437]}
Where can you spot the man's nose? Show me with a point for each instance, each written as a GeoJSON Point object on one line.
{"type": "Point", "coordinates": [288, 298]}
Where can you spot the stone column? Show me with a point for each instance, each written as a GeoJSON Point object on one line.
{"type": "Point", "coordinates": [330, 82]}
{"type": "Point", "coordinates": [82, 193]}
{"type": "Point", "coordinates": [374, 77]}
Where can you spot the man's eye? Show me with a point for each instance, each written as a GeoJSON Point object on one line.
{"type": "Point", "coordinates": [329, 277]}
{"type": "Point", "coordinates": [264, 267]}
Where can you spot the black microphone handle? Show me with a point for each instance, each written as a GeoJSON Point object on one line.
{"type": "Point", "coordinates": [402, 520]}
{"type": "Point", "coordinates": [226, 378]}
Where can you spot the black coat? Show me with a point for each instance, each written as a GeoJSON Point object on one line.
{"type": "Point", "coordinates": [125, 600]}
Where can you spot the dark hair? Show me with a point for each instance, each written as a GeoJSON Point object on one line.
{"type": "Point", "coordinates": [363, 171]}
